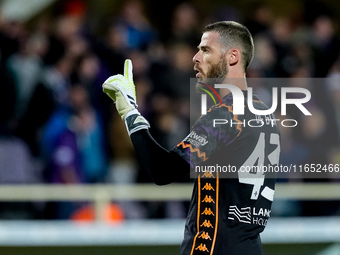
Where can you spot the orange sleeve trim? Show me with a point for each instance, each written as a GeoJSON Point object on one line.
{"type": "Point", "coordinates": [239, 126]}
{"type": "Point", "coordinates": [199, 153]}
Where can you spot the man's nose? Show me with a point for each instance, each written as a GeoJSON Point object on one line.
{"type": "Point", "coordinates": [196, 58]}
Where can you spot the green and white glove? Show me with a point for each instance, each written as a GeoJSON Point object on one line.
{"type": "Point", "coordinates": [122, 91]}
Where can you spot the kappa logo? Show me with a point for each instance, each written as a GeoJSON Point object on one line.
{"type": "Point", "coordinates": [208, 199]}
{"type": "Point", "coordinates": [208, 175]}
{"type": "Point", "coordinates": [208, 186]}
{"type": "Point", "coordinates": [208, 211]}
{"type": "Point", "coordinates": [197, 140]}
{"type": "Point", "coordinates": [205, 235]}
{"type": "Point", "coordinates": [202, 247]}
{"type": "Point", "coordinates": [207, 224]}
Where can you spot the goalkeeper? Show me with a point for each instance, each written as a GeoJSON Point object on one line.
{"type": "Point", "coordinates": [226, 215]}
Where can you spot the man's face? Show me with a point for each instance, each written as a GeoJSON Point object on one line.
{"type": "Point", "coordinates": [210, 63]}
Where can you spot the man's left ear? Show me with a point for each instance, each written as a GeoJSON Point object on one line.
{"type": "Point", "coordinates": [234, 57]}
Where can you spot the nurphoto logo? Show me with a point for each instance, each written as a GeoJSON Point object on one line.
{"type": "Point", "coordinates": [238, 105]}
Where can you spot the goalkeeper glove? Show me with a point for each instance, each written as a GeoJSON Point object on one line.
{"type": "Point", "coordinates": [121, 90]}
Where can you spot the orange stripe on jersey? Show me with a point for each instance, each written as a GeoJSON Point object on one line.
{"type": "Point", "coordinates": [216, 217]}
{"type": "Point", "coordinates": [198, 213]}
{"type": "Point", "coordinates": [199, 153]}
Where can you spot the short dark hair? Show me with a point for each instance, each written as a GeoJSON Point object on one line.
{"type": "Point", "coordinates": [234, 34]}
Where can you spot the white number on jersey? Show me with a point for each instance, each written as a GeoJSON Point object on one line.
{"type": "Point", "coordinates": [251, 170]}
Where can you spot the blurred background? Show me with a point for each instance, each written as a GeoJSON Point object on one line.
{"type": "Point", "coordinates": [57, 127]}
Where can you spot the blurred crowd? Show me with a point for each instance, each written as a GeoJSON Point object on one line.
{"type": "Point", "coordinates": [57, 126]}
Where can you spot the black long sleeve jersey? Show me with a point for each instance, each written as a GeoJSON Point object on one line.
{"type": "Point", "coordinates": [231, 158]}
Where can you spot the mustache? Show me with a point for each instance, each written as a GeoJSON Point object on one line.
{"type": "Point", "coordinates": [196, 68]}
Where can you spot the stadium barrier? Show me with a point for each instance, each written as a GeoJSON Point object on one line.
{"type": "Point", "coordinates": [102, 195]}
{"type": "Point", "coordinates": [151, 232]}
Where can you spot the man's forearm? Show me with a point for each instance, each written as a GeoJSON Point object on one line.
{"type": "Point", "coordinates": [163, 166]}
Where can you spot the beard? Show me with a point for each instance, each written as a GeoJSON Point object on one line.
{"type": "Point", "coordinates": [216, 74]}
